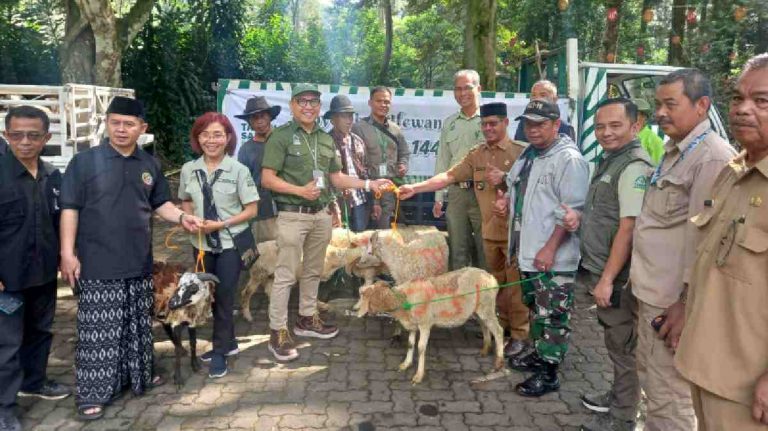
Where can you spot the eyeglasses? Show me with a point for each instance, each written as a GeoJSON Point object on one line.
{"type": "Point", "coordinates": [311, 102]}
{"type": "Point", "coordinates": [468, 87]}
{"type": "Point", "coordinates": [205, 136]}
{"type": "Point", "coordinates": [491, 124]}
{"type": "Point", "coordinates": [31, 136]}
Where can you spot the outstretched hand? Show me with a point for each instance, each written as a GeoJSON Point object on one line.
{"type": "Point", "coordinates": [406, 191]}
{"type": "Point", "coordinates": [493, 175]}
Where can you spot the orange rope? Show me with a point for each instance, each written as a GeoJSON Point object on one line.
{"type": "Point", "coordinates": [394, 189]}
{"type": "Point", "coordinates": [200, 263]}
{"type": "Point", "coordinates": [168, 238]}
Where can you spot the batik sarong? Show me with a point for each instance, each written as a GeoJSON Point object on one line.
{"type": "Point", "coordinates": [114, 348]}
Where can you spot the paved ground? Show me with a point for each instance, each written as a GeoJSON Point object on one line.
{"type": "Point", "coordinates": [350, 382]}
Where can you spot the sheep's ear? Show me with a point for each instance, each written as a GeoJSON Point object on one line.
{"type": "Point", "coordinates": [348, 267]}
{"type": "Point", "coordinates": [205, 276]}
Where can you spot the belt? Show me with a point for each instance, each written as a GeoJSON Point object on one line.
{"type": "Point", "coordinates": [466, 184]}
{"type": "Point", "coordinates": [299, 209]}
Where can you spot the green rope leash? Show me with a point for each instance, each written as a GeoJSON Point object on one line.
{"type": "Point", "coordinates": [407, 306]}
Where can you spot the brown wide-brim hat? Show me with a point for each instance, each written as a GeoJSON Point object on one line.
{"type": "Point", "coordinates": [258, 104]}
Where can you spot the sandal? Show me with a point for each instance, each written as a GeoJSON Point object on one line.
{"type": "Point", "coordinates": [84, 416]}
{"type": "Point", "coordinates": [156, 382]}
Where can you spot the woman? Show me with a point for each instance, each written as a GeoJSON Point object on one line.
{"type": "Point", "coordinates": [221, 191]}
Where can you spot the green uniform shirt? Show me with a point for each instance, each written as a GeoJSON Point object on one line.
{"type": "Point", "coordinates": [232, 190]}
{"type": "Point", "coordinates": [459, 135]}
{"type": "Point", "coordinates": [652, 143]}
{"type": "Point", "coordinates": [294, 154]}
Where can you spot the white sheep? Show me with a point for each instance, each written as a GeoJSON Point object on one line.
{"type": "Point", "coordinates": [446, 300]}
{"type": "Point", "coordinates": [408, 256]}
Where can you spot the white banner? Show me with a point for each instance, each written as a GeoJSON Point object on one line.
{"type": "Point", "coordinates": [420, 117]}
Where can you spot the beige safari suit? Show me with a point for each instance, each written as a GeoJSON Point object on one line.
{"type": "Point", "coordinates": [662, 255]}
{"type": "Point", "coordinates": [494, 229]}
{"type": "Point", "coordinates": [724, 347]}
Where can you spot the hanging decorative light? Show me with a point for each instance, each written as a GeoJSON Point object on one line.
{"type": "Point", "coordinates": [512, 41]}
{"type": "Point", "coordinates": [676, 39]}
{"type": "Point", "coordinates": [648, 15]}
{"type": "Point", "coordinates": [562, 5]}
{"type": "Point", "coordinates": [612, 14]}
{"type": "Point", "coordinates": [610, 57]}
{"type": "Point", "coordinates": [704, 48]}
{"type": "Point", "coordinates": [640, 51]}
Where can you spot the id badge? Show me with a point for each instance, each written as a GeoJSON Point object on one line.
{"type": "Point", "coordinates": [517, 226]}
{"type": "Point", "coordinates": [382, 170]}
{"type": "Point", "coordinates": [9, 303]}
{"type": "Point", "coordinates": [319, 178]}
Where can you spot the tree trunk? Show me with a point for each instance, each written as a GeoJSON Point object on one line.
{"type": "Point", "coordinates": [480, 40]}
{"type": "Point", "coordinates": [386, 6]}
{"type": "Point", "coordinates": [96, 39]}
{"type": "Point", "coordinates": [676, 38]}
{"type": "Point", "coordinates": [77, 53]}
{"type": "Point", "coordinates": [611, 36]}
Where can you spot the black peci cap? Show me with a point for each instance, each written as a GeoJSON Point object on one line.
{"type": "Point", "coordinates": [126, 106]}
{"type": "Point", "coordinates": [495, 108]}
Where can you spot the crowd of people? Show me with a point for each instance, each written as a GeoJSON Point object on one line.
{"type": "Point", "coordinates": [671, 239]}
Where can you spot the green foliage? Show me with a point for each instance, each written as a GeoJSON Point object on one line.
{"type": "Point", "coordinates": [29, 55]}
{"type": "Point", "coordinates": [169, 81]}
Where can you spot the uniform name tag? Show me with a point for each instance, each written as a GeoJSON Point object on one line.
{"type": "Point", "coordinates": [605, 178]}
{"type": "Point", "coordinates": [382, 169]}
{"type": "Point", "coordinates": [319, 178]}
{"type": "Point", "coordinates": [296, 140]}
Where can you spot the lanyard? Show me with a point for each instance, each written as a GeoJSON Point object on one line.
{"type": "Point", "coordinates": [657, 173]}
{"type": "Point", "coordinates": [313, 152]}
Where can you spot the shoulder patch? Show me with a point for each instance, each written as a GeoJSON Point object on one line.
{"type": "Point", "coordinates": [641, 183]}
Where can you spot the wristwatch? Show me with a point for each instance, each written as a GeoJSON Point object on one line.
{"type": "Point", "coordinates": [181, 217]}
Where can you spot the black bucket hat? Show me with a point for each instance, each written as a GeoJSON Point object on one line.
{"type": "Point", "coordinates": [258, 104]}
{"type": "Point", "coordinates": [340, 103]}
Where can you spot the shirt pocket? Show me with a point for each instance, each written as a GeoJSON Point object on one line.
{"type": "Point", "coordinates": [12, 207]}
{"type": "Point", "coordinates": [324, 157]}
{"type": "Point", "coordinates": [297, 158]}
{"type": "Point", "coordinates": [677, 198]}
{"type": "Point", "coordinates": [226, 197]}
{"type": "Point", "coordinates": [741, 253]}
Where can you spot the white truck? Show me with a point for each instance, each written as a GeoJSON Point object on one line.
{"type": "Point", "coordinates": [77, 114]}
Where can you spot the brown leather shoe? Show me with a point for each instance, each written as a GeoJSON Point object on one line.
{"type": "Point", "coordinates": [281, 345]}
{"type": "Point", "coordinates": [312, 326]}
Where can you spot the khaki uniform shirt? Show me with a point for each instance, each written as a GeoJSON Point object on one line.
{"type": "Point", "coordinates": [233, 190]}
{"type": "Point", "coordinates": [459, 135]}
{"type": "Point", "coordinates": [664, 239]}
{"type": "Point", "coordinates": [381, 149]}
{"type": "Point", "coordinates": [294, 154]}
{"type": "Point", "coordinates": [472, 167]}
{"type": "Point", "coordinates": [724, 346]}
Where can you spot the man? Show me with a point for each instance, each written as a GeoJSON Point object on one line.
{"type": "Point", "coordinates": [460, 133]}
{"type": "Point", "coordinates": [500, 151]}
{"type": "Point", "coordinates": [614, 200]}
{"type": "Point", "coordinates": [299, 160]}
{"type": "Point", "coordinates": [259, 115]}
{"type": "Point", "coordinates": [108, 195]}
{"type": "Point", "coordinates": [350, 149]}
{"type": "Point", "coordinates": [649, 139]}
{"type": "Point", "coordinates": [550, 174]}
{"type": "Point", "coordinates": [665, 243]}
{"type": "Point", "coordinates": [387, 152]}
{"type": "Point", "coordinates": [723, 350]}
{"type": "Point", "coordinates": [29, 249]}
{"type": "Point", "coordinates": [546, 90]}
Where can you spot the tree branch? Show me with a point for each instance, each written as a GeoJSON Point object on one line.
{"type": "Point", "coordinates": [131, 24]}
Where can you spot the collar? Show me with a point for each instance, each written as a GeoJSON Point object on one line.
{"type": "Point", "coordinates": [628, 147]}
{"type": "Point", "coordinates": [475, 115]}
{"type": "Point", "coordinates": [295, 125]}
{"type": "Point", "coordinates": [503, 145]}
{"type": "Point", "coordinates": [693, 134]}
{"type": "Point", "coordinates": [18, 169]}
{"type": "Point", "coordinates": [226, 165]}
{"type": "Point", "coordinates": [338, 136]}
{"type": "Point", "coordinates": [739, 164]}
{"type": "Point", "coordinates": [112, 152]}
{"type": "Point", "coordinates": [371, 120]}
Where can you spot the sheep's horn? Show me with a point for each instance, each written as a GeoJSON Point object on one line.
{"type": "Point", "coordinates": [205, 276]}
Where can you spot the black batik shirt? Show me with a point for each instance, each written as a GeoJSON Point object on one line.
{"type": "Point", "coordinates": [29, 218]}
{"type": "Point", "coordinates": [115, 197]}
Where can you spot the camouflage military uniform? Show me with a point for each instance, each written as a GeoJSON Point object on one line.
{"type": "Point", "coordinates": [550, 299]}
